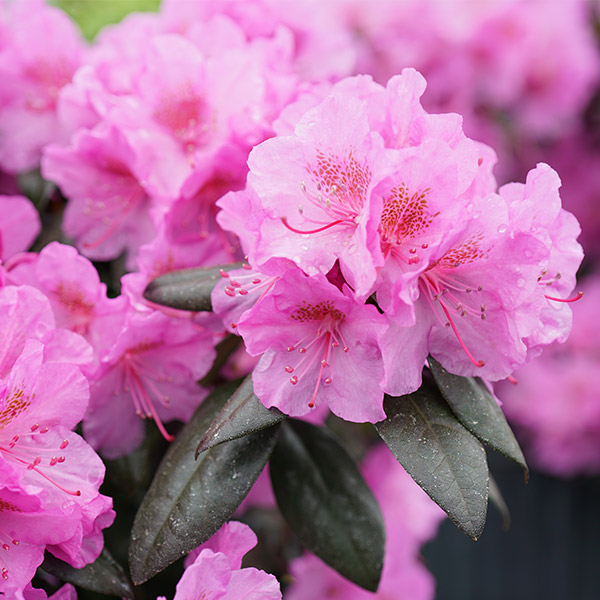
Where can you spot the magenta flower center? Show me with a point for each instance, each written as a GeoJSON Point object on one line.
{"type": "Point", "coordinates": [187, 115]}
{"type": "Point", "coordinates": [404, 217]}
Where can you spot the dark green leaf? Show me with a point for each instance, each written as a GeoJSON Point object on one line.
{"type": "Point", "coordinates": [188, 289]}
{"type": "Point", "coordinates": [327, 503]}
{"type": "Point", "coordinates": [104, 575]}
{"type": "Point", "coordinates": [36, 188]}
{"type": "Point", "coordinates": [497, 500]}
{"type": "Point", "coordinates": [189, 499]}
{"type": "Point", "coordinates": [478, 411]}
{"type": "Point", "coordinates": [243, 414]}
{"type": "Point", "coordinates": [440, 455]}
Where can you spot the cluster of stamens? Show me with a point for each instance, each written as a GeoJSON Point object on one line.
{"type": "Point", "coordinates": [325, 340]}
{"type": "Point", "coordinates": [340, 193]}
{"type": "Point", "coordinates": [8, 541]}
{"type": "Point", "coordinates": [247, 284]}
{"type": "Point", "coordinates": [34, 458]}
{"type": "Point", "coordinates": [138, 378]}
{"type": "Point", "coordinates": [440, 290]}
{"type": "Point", "coordinates": [545, 280]}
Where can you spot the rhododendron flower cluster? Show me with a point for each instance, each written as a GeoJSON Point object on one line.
{"type": "Point", "coordinates": [50, 476]}
{"type": "Point", "coordinates": [300, 151]}
{"type": "Point", "coordinates": [373, 198]}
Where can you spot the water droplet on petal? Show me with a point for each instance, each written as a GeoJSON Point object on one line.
{"type": "Point", "coordinates": [502, 228]}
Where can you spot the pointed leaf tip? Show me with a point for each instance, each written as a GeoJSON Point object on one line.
{"type": "Point", "coordinates": [447, 461]}
{"type": "Point", "coordinates": [186, 289]}
{"type": "Point", "coordinates": [327, 503]}
{"type": "Point", "coordinates": [242, 414]}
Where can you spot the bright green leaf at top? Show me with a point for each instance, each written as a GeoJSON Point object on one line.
{"type": "Point", "coordinates": [92, 15]}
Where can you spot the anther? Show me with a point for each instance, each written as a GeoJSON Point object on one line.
{"type": "Point", "coordinates": [223, 273]}
{"type": "Point", "coordinates": [289, 369]}
{"type": "Point", "coordinates": [293, 380]}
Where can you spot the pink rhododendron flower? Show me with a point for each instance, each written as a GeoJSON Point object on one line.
{"type": "Point", "coordinates": [318, 345]}
{"type": "Point", "coordinates": [189, 235]}
{"type": "Point", "coordinates": [66, 592]}
{"type": "Point", "coordinates": [213, 571]}
{"type": "Point", "coordinates": [322, 47]}
{"type": "Point", "coordinates": [19, 225]}
{"type": "Point", "coordinates": [411, 519]}
{"type": "Point", "coordinates": [536, 211]}
{"type": "Point", "coordinates": [150, 370]}
{"type": "Point", "coordinates": [555, 405]}
{"type": "Point", "coordinates": [42, 51]}
{"type": "Point", "coordinates": [575, 158]}
{"type": "Point", "coordinates": [316, 189]}
{"type": "Point", "coordinates": [73, 287]}
{"type": "Point", "coordinates": [108, 209]}
{"type": "Point", "coordinates": [50, 476]}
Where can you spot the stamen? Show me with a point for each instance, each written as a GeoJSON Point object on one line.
{"type": "Point", "coordinates": [574, 299]}
{"type": "Point", "coordinates": [477, 363]}
{"type": "Point", "coordinates": [285, 222]}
